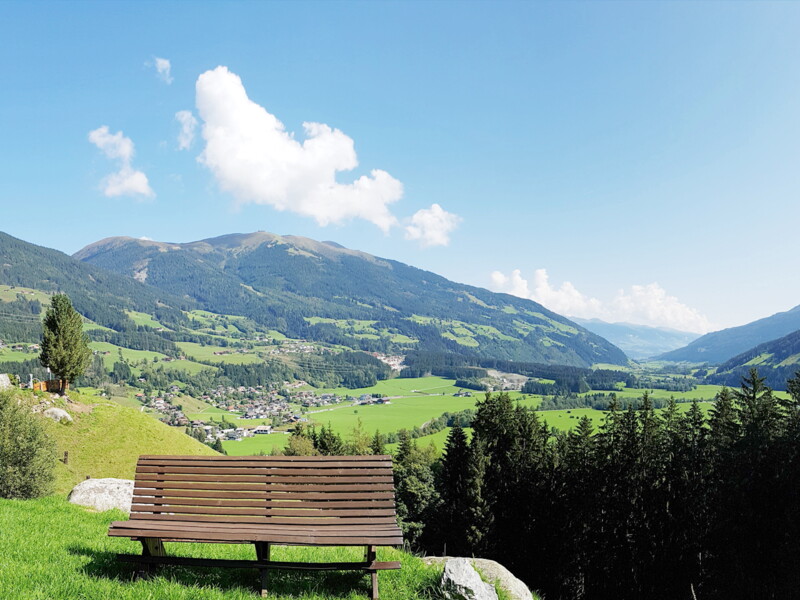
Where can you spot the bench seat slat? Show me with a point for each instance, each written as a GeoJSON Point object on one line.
{"type": "Point", "coordinates": [152, 524]}
{"type": "Point", "coordinates": [299, 539]}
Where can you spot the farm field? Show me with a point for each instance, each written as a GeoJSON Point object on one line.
{"type": "Point", "coordinates": [143, 319]}
{"type": "Point", "coordinates": [200, 352]}
{"type": "Point", "coordinates": [412, 386]}
{"type": "Point", "coordinates": [263, 442]}
{"type": "Point", "coordinates": [187, 366]}
{"type": "Point", "coordinates": [8, 293]}
{"type": "Point", "coordinates": [701, 392]}
{"type": "Point", "coordinates": [6, 354]}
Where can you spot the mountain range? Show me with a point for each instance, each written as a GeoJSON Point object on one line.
{"type": "Point", "coordinates": [720, 346]}
{"type": "Point", "coordinates": [639, 341]}
{"type": "Point", "coordinates": [303, 289]}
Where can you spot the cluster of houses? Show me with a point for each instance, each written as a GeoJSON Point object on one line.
{"type": "Point", "coordinates": [20, 347]}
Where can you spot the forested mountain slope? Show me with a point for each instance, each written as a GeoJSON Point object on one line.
{"type": "Point", "coordinates": [777, 360]}
{"type": "Point", "coordinates": [719, 346]}
{"type": "Point", "coordinates": [324, 292]}
{"type": "Point", "coordinates": [98, 294]}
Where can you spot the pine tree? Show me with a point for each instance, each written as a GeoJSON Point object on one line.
{"type": "Point", "coordinates": [65, 348]}
{"type": "Point", "coordinates": [377, 444]}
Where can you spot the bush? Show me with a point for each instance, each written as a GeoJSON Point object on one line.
{"type": "Point", "coordinates": [27, 453]}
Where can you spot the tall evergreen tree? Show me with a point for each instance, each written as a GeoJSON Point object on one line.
{"type": "Point", "coordinates": [65, 348]}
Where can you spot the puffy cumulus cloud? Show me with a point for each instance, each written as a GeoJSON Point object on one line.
{"type": "Point", "coordinates": [253, 157]}
{"type": "Point", "coordinates": [432, 226]}
{"type": "Point", "coordinates": [127, 181]}
{"type": "Point", "coordinates": [641, 304]}
{"type": "Point", "coordinates": [188, 126]}
{"type": "Point", "coordinates": [163, 70]}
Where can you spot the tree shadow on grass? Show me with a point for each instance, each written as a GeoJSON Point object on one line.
{"type": "Point", "coordinates": [331, 584]}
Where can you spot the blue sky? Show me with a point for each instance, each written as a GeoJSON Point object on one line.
{"type": "Point", "coordinates": [630, 161]}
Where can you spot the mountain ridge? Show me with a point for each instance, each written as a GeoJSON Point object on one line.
{"type": "Point", "coordinates": [314, 289]}
{"type": "Point", "coordinates": [719, 346]}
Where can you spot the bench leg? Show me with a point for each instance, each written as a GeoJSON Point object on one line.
{"type": "Point", "coordinates": [150, 547]}
{"type": "Point", "coordinates": [262, 554]}
{"type": "Point", "coordinates": [371, 555]}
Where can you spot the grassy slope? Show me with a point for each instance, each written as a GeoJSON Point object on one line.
{"type": "Point", "coordinates": [105, 440]}
{"type": "Point", "coordinates": [70, 558]}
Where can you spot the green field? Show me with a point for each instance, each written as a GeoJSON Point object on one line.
{"type": "Point", "coordinates": [9, 294]}
{"type": "Point", "coordinates": [263, 442]}
{"type": "Point", "coordinates": [128, 354]}
{"type": "Point", "coordinates": [701, 392]}
{"type": "Point", "coordinates": [9, 355]}
{"type": "Point", "coordinates": [134, 356]}
{"type": "Point", "coordinates": [143, 319]}
{"type": "Point", "coordinates": [206, 353]}
{"type": "Point", "coordinates": [413, 386]}
{"type": "Point", "coordinates": [55, 550]}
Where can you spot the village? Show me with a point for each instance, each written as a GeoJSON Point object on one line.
{"type": "Point", "coordinates": [284, 408]}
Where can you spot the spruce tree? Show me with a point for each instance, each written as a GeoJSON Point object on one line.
{"type": "Point", "coordinates": [65, 348]}
{"type": "Point", "coordinates": [377, 444]}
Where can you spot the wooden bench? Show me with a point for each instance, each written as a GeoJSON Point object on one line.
{"type": "Point", "coordinates": [263, 500]}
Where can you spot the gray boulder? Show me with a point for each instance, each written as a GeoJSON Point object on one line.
{"type": "Point", "coordinates": [492, 571]}
{"type": "Point", "coordinates": [57, 414]}
{"type": "Point", "coordinates": [460, 581]}
{"type": "Point", "coordinates": [5, 382]}
{"type": "Point", "coordinates": [103, 494]}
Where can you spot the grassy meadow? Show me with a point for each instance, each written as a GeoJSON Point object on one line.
{"type": "Point", "coordinates": [55, 550]}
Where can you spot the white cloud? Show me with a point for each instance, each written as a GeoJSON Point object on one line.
{"type": "Point", "coordinates": [641, 304]}
{"type": "Point", "coordinates": [253, 157]}
{"type": "Point", "coordinates": [432, 226]}
{"type": "Point", "coordinates": [188, 126]}
{"type": "Point", "coordinates": [127, 181]}
{"type": "Point", "coordinates": [163, 70]}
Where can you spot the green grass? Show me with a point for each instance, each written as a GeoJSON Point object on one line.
{"type": "Point", "coordinates": [438, 439]}
{"type": "Point", "coordinates": [106, 439]}
{"type": "Point", "coordinates": [7, 355]}
{"type": "Point", "coordinates": [402, 413]}
{"type": "Point", "coordinates": [144, 319]}
{"type": "Point", "coordinates": [701, 392]}
{"type": "Point", "coordinates": [55, 550]}
{"type": "Point", "coordinates": [414, 386]}
{"type": "Point", "coordinates": [263, 442]}
{"type": "Point", "coordinates": [127, 353]}
{"type": "Point", "coordinates": [9, 294]}
{"type": "Point", "coordinates": [200, 352]}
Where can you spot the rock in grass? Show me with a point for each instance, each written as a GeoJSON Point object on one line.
{"type": "Point", "coordinates": [103, 494]}
{"type": "Point", "coordinates": [493, 571]}
{"type": "Point", "coordinates": [57, 414]}
{"type": "Point", "coordinates": [460, 581]}
{"type": "Point", "coordinates": [5, 382]}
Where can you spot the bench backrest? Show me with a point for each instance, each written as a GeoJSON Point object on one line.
{"type": "Point", "coordinates": [312, 490]}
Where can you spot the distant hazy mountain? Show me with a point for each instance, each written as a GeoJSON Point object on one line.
{"type": "Point", "coordinates": [777, 360]}
{"type": "Point", "coordinates": [323, 291]}
{"type": "Point", "coordinates": [719, 346]}
{"type": "Point", "coordinates": [639, 341]}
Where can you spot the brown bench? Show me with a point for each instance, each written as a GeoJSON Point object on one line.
{"type": "Point", "coordinates": [263, 500]}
